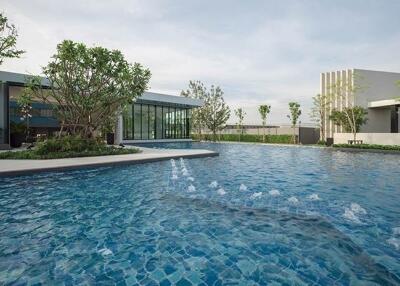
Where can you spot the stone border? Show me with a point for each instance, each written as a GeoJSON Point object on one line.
{"type": "Point", "coordinates": [116, 160]}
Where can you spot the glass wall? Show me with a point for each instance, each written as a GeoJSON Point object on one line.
{"type": "Point", "coordinates": [148, 122]}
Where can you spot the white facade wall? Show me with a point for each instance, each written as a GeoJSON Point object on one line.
{"type": "Point", "coordinates": [370, 86]}
{"type": "Point", "coordinates": [369, 138]}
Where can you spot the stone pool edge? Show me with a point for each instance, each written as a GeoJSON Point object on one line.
{"type": "Point", "coordinates": [15, 167]}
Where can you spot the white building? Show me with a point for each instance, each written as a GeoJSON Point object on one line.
{"type": "Point", "coordinates": [376, 91]}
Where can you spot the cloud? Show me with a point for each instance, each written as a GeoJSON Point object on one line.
{"type": "Point", "coordinates": [258, 52]}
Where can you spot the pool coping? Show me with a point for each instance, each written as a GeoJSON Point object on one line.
{"type": "Point", "coordinates": [16, 167]}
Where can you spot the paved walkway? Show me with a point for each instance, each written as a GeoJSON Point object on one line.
{"type": "Point", "coordinates": [19, 167]}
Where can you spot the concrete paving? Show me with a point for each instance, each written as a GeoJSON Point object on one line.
{"type": "Point", "coordinates": [24, 167]}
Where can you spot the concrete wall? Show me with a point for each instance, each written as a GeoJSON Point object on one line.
{"type": "Point", "coordinates": [371, 86]}
{"type": "Point", "coordinates": [369, 138]}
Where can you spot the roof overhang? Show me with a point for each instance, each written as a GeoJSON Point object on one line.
{"type": "Point", "coordinates": [20, 79]}
{"type": "Point", "coordinates": [383, 103]}
{"type": "Point", "coordinates": [166, 99]}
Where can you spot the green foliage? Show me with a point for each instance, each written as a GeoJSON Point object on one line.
{"type": "Point", "coordinates": [264, 110]}
{"type": "Point", "coordinates": [89, 87]}
{"type": "Point", "coordinates": [295, 113]}
{"type": "Point", "coordinates": [8, 40]}
{"type": "Point", "coordinates": [369, 146]}
{"type": "Point", "coordinates": [281, 139]}
{"type": "Point", "coordinates": [215, 111]}
{"type": "Point", "coordinates": [67, 147]}
{"type": "Point", "coordinates": [68, 144]}
{"type": "Point", "coordinates": [196, 90]}
{"type": "Point", "coordinates": [240, 114]}
{"type": "Point", "coordinates": [349, 117]}
{"type": "Point", "coordinates": [318, 111]}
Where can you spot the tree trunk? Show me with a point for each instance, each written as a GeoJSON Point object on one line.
{"type": "Point", "coordinates": [294, 134]}
{"type": "Point", "coordinates": [214, 135]}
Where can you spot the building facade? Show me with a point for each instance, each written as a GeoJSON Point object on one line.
{"type": "Point", "coordinates": [156, 117]}
{"type": "Point", "coordinates": [376, 91]}
{"type": "Point", "coordinates": [153, 116]}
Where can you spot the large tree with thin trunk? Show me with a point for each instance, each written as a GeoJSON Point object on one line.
{"type": "Point", "coordinates": [264, 110]}
{"type": "Point", "coordinates": [216, 111]}
{"type": "Point", "coordinates": [318, 112]}
{"type": "Point", "coordinates": [196, 90]}
{"type": "Point", "coordinates": [8, 40]}
{"type": "Point", "coordinates": [89, 86]}
{"type": "Point", "coordinates": [240, 114]}
{"type": "Point", "coordinates": [294, 115]}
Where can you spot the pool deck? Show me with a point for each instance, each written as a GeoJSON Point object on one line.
{"type": "Point", "coordinates": [26, 167]}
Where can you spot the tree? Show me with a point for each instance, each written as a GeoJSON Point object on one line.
{"type": "Point", "coordinates": [88, 86]}
{"type": "Point", "coordinates": [344, 93]}
{"type": "Point", "coordinates": [295, 113]}
{"type": "Point", "coordinates": [24, 102]}
{"type": "Point", "coordinates": [8, 40]}
{"type": "Point", "coordinates": [341, 118]}
{"type": "Point", "coordinates": [240, 114]}
{"type": "Point", "coordinates": [318, 112]}
{"type": "Point", "coordinates": [216, 111]}
{"type": "Point", "coordinates": [264, 110]}
{"type": "Point", "coordinates": [196, 90]}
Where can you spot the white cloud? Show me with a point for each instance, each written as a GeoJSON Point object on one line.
{"type": "Point", "coordinates": [258, 52]}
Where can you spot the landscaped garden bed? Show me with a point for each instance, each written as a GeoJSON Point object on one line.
{"type": "Point", "coordinates": [68, 147]}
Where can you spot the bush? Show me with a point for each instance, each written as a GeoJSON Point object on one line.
{"type": "Point", "coordinates": [67, 147]}
{"type": "Point", "coordinates": [369, 146]}
{"type": "Point", "coordinates": [282, 139]}
{"type": "Point", "coordinates": [68, 144]}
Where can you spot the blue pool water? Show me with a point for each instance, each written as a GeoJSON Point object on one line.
{"type": "Point", "coordinates": [254, 215]}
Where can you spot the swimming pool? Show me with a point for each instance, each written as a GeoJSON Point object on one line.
{"type": "Point", "coordinates": [255, 214]}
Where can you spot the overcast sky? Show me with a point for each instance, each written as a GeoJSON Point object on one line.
{"type": "Point", "coordinates": [257, 51]}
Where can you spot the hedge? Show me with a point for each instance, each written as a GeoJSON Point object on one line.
{"type": "Point", "coordinates": [369, 146]}
{"type": "Point", "coordinates": [282, 139]}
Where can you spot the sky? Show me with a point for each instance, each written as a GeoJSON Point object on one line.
{"type": "Point", "coordinates": [258, 52]}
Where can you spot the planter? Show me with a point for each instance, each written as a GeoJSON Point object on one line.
{"type": "Point", "coordinates": [110, 138]}
{"type": "Point", "coordinates": [16, 139]}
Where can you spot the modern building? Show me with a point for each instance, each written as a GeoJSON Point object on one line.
{"type": "Point", "coordinates": [153, 117]}
{"type": "Point", "coordinates": [376, 91]}
{"type": "Point", "coordinates": [156, 117]}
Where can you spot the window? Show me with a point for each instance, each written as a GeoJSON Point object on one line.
{"type": "Point", "coordinates": [159, 122]}
{"type": "Point", "coordinates": [145, 122]}
{"type": "Point", "coordinates": [152, 122]}
{"type": "Point", "coordinates": [137, 121]}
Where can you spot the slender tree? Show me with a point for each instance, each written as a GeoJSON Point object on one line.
{"type": "Point", "coordinates": [318, 112]}
{"type": "Point", "coordinates": [88, 86]}
{"type": "Point", "coordinates": [340, 118]}
{"type": "Point", "coordinates": [264, 110]}
{"type": "Point", "coordinates": [216, 111]}
{"type": "Point", "coordinates": [345, 93]}
{"type": "Point", "coordinates": [24, 102]}
{"type": "Point", "coordinates": [240, 114]}
{"type": "Point", "coordinates": [197, 90]}
{"type": "Point", "coordinates": [8, 40]}
{"type": "Point", "coordinates": [295, 113]}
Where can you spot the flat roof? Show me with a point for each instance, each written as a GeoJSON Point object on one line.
{"type": "Point", "coordinates": [383, 103]}
{"type": "Point", "coordinates": [146, 97]}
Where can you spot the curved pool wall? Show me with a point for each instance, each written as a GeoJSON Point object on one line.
{"type": "Point", "coordinates": [255, 214]}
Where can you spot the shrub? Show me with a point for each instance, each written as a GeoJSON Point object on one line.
{"type": "Point", "coordinates": [282, 139]}
{"type": "Point", "coordinates": [369, 146]}
{"type": "Point", "coordinates": [68, 144]}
